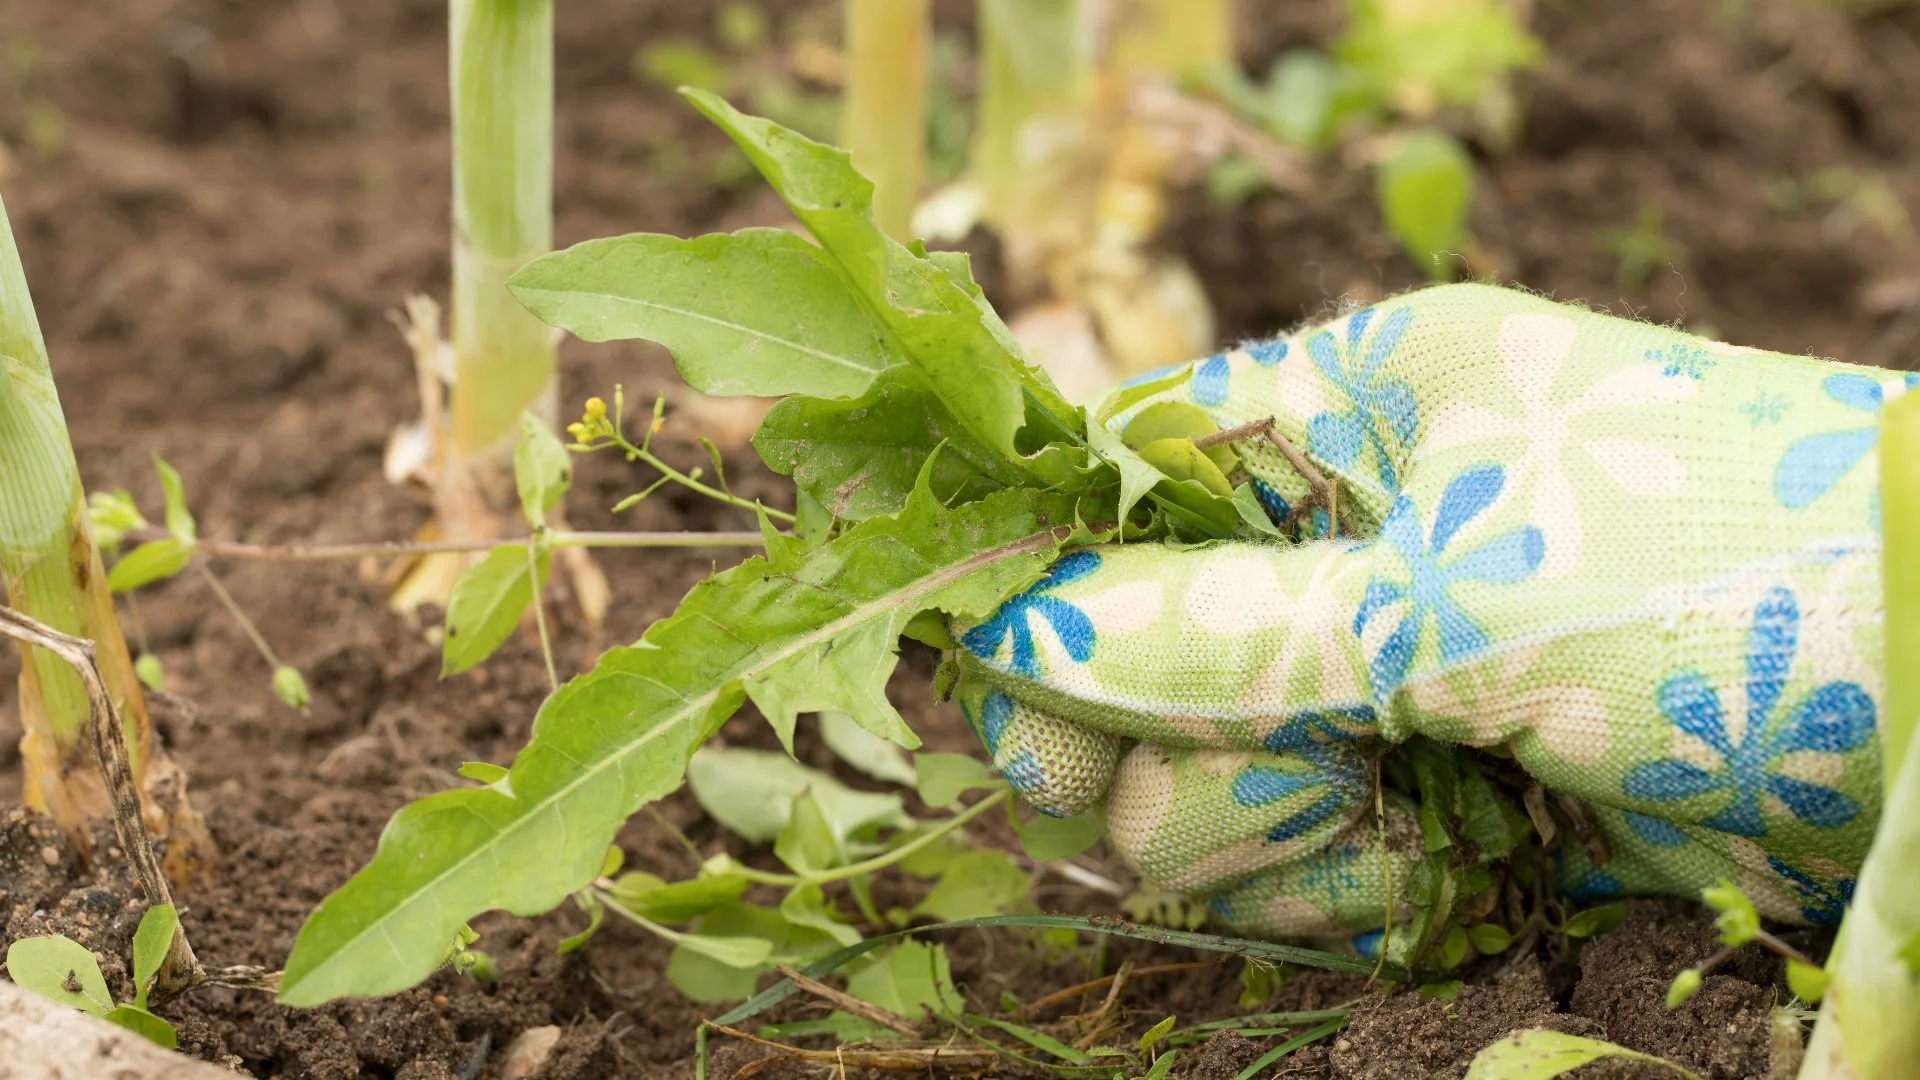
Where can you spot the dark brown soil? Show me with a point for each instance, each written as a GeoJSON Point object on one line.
{"type": "Point", "coordinates": [221, 201]}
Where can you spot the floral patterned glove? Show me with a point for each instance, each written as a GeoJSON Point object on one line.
{"type": "Point", "coordinates": [1644, 564]}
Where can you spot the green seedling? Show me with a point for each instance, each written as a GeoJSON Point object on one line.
{"type": "Point", "coordinates": [146, 555]}
{"type": "Point", "coordinates": [1739, 924]}
{"type": "Point", "coordinates": [1643, 248]}
{"type": "Point", "coordinates": [61, 969]}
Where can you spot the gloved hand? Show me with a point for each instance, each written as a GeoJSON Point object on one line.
{"type": "Point", "coordinates": [1643, 563]}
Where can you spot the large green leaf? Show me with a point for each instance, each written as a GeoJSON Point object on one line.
{"type": "Point", "coordinates": [941, 326]}
{"type": "Point", "coordinates": [859, 458]}
{"type": "Point", "coordinates": [759, 311]}
{"type": "Point", "coordinates": [796, 631]}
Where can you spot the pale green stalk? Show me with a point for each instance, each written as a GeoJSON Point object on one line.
{"type": "Point", "coordinates": [1869, 1024]}
{"type": "Point", "coordinates": [501, 79]}
{"type": "Point", "coordinates": [53, 574]}
{"type": "Point", "coordinates": [1036, 85]}
{"type": "Point", "coordinates": [883, 114]}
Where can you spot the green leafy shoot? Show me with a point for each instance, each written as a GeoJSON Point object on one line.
{"type": "Point", "coordinates": [954, 494]}
{"type": "Point", "coordinates": [156, 559]}
{"type": "Point", "coordinates": [1595, 921]}
{"type": "Point", "coordinates": [62, 970]}
{"type": "Point", "coordinates": [1425, 187]}
{"type": "Point", "coordinates": [1737, 920]}
{"type": "Point", "coordinates": [1537, 1054]}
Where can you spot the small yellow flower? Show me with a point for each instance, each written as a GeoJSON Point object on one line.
{"type": "Point", "coordinates": [578, 431]}
{"type": "Point", "coordinates": [596, 408]}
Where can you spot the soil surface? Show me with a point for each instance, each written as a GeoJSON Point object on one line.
{"type": "Point", "coordinates": [220, 202]}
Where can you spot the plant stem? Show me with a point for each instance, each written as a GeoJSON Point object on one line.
{"type": "Point", "coordinates": [883, 112]}
{"type": "Point", "coordinates": [226, 549]}
{"type": "Point", "coordinates": [880, 861]}
{"type": "Point", "coordinates": [540, 616]}
{"type": "Point", "coordinates": [53, 574]}
{"type": "Point", "coordinates": [500, 74]}
{"type": "Point", "coordinates": [1867, 1026]}
{"type": "Point", "coordinates": [240, 616]}
{"type": "Point", "coordinates": [645, 456]}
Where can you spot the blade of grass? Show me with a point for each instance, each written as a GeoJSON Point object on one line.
{"type": "Point", "coordinates": [1288, 1047]}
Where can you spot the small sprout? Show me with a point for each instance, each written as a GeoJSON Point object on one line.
{"type": "Point", "coordinates": [1739, 923]}
{"type": "Point", "coordinates": [1807, 982]}
{"type": "Point", "coordinates": [1009, 1001]}
{"type": "Point", "coordinates": [1441, 991]}
{"type": "Point", "coordinates": [291, 686]}
{"type": "Point", "coordinates": [1155, 1033]}
{"type": "Point", "coordinates": [113, 516]}
{"type": "Point", "coordinates": [150, 672]}
{"type": "Point", "coordinates": [1595, 921]}
{"type": "Point", "coordinates": [1685, 985]}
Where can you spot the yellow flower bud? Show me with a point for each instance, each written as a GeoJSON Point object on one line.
{"type": "Point", "coordinates": [596, 408]}
{"type": "Point", "coordinates": [578, 431]}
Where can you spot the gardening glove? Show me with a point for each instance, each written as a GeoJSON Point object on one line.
{"type": "Point", "coordinates": [1643, 564]}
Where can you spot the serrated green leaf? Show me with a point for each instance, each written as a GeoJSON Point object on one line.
{"type": "Point", "coordinates": [976, 884]}
{"type": "Point", "coordinates": [860, 457]}
{"type": "Point", "coordinates": [970, 361]}
{"type": "Point", "coordinates": [942, 778]}
{"type": "Point", "coordinates": [908, 979]}
{"type": "Point", "coordinates": [151, 941]}
{"type": "Point", "coordinates": [542, 468]}
{"type": "Point", "coordinates": [752, 793]}
{"type": "Point", "coordinates": [651, 898]}
{"type": "Point", "coordinates": [488, 599]}
{"type": "Point", "coordinates": [153, 561]}
{"type": "Point", "coordinates": [179, 521]}
{"type": "Point", "coordinates": [1425, 188]}
{"type": "Point", "coordinates": [1137, 477]}
{"type": "Point", "coordinates": [59, 969]}
{"type": "Point", "coordinates": [865, 751]}
{"type": "Point", "coordinates": [143, 1023]}
{"type": "Point", "coordinates": [621, 735]}
{"type": "Point", "coordinates": [1595, 921]}
{"type": "Point", "coordinates": [1045, 839]}
{"type": "Point", "coordinates": [759, 311]}
{"type": "Point", "coordinates": [1537, 1054]}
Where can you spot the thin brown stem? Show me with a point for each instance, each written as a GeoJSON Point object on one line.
{"type": "Point", "coordinates": [840, 999]}
{"type": "Point", "coordinates": [917, 1059]}
{"type": "Point", "coordinates": [1061, 997]}
{"type": "Point", "coordinates": [1234, 434]}
{"type": "Point", "coordinates": [381, 549]}
{"type": "Point", "coordinates": [180, 971]}
{"type": "Point", "coordinates": [1102, 1017]}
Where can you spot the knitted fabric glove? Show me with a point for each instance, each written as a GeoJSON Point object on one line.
{"type": "Point", "coordinates": [1644, 564]}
